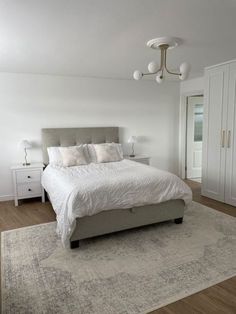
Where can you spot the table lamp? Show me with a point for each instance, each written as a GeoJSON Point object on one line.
{"type": "Point", "coordinates": [25, 144]}
{"type": "Point", "coordinates": [132, 140]}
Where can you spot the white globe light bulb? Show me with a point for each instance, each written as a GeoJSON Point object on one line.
{"type": "Point", "coordinates": [159, 78]}
{"type": "Point", "coordinates": [184, 70]}
{"type": "Point", "coordinates": [182, 76]}
{"type": "Point", "coordinates": [137, 75]}
{"type": "Point", "coordinates": [152, 67]}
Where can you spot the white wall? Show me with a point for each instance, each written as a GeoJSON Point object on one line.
{"type": "Point", "coordinates": [31, 102]}
{"type": "Point", "coordinates": [192, 85]}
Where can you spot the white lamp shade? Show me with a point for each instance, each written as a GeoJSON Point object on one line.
{"type": "Point", "coordinates": [159, 77]}
{"type": "Point", "coordinates": [133, 139]}
{"type": "Point", "coordinates": [184, 70]}
{"type": "Point", "coordinates": [137, 75]}
{"type": "Point", "coordinates": [25, 144]}
{"type": "Point", "coordinates": [152, 67]}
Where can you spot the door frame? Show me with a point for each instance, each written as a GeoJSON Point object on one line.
{"type": "Point", "coordinates": [193, 147]}
{"type": "Point", "coordinates": [183, 129]}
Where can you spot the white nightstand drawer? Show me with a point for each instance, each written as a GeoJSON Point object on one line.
{"type": "Point", "coordinates": [28, 189]}
{"type": "Point", "coordinates": [28, 176]}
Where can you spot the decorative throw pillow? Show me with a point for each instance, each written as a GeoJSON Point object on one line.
{"type": "Point", "coordinates": [107, 152]}
{"type": "Point", "coordinates": [73, 156]}
{"type": "Point", "coordinates": [92, 152]}
{"type": "Point", "coordinates": [55, 157]}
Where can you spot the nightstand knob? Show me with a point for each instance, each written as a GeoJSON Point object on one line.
{"type": "Point", "coordinates": [29, 190]}
{"type": "Point", "coordinates": [29, 177]}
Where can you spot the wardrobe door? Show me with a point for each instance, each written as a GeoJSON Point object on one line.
{"type": "Point", "coordinates": [230, 187]}
{"type": "Point", "coordinates": [214, 132]}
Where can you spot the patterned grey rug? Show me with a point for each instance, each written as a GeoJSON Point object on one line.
{"type": "Point", "coordinates": [129, 272]}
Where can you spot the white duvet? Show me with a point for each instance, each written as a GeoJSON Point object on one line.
{"type": "Point", "coordinates": [89, 189]}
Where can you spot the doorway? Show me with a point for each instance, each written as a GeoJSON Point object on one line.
{"type": "Point", "coordinates": [194, 128]}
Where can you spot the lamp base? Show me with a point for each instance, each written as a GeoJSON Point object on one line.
{"type": "Point", "coordinates": [26, 164]}
{"type": "Point", "coordinates": [131, 155]}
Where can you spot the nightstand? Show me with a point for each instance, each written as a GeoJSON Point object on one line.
{"type": "Point", "coordinates": [139, 158]}
{"type": "Point", "coordinates": [27, 181]}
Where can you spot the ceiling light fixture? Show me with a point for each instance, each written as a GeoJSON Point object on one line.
{"type": "Point", "coordinates": [163, 44]}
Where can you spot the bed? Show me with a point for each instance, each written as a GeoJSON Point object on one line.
{"type": "Point", "coordinates": [136, 201]}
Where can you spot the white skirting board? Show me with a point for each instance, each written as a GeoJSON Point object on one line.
{"type": "Point", "coordinates": [4, 198]}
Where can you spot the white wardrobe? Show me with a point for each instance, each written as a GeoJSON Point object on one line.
{"type": "Point", "coordinates": [219, 133]}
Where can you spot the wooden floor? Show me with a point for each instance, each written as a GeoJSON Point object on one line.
{"type": "Point", "coordinates": [30, 212]}
{"type": "Point", "coordinates": [220, 298]}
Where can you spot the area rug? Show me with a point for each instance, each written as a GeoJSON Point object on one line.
{"type": "Point", "coordinates": [130, 272]}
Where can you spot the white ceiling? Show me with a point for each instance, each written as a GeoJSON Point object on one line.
{"type": "Point", "coordinates": [107, 38]}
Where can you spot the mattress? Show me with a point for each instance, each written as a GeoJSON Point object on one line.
{"type": "Point", "coordinates": [89, 189]}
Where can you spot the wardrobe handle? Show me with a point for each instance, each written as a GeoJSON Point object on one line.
{"type": "Point", "coordinates": [223, 138]}
{"type": "Point", "coordinates": [228, 138]}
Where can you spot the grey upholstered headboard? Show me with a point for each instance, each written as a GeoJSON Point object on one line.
{"type": "Point", "coordinates": [75, 136]}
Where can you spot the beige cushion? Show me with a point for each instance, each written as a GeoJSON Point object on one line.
{"type": "Point", "coordinates": [92, 153]}
{"type": "Point", "coordinates": [73, 156]}
{"type": "Point", "coordinates": [107, 153]}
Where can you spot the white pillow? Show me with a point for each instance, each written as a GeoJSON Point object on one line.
{"type": "Point", "coordinates": [92, 152]}
{"type": "Point", "coordinates": [73, 156]}
{"type": "Point", "coordinates": [55, 157]}
{"type": "Point", "coordinates": [107, 152]}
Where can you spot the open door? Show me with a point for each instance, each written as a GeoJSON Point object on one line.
{"type": "Point", "coordinates": [194, 137]}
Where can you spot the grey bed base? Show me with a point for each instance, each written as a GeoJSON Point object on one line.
{"type": "Point", "coordinates": [122, 219]}
{"type": "Point", "coordinates": [116, 219]}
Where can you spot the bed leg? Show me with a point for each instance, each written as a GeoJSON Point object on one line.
{"type": "Point", "coordinates": [74, 244]}
{"type": "Point", "coordinates": [179, 220]}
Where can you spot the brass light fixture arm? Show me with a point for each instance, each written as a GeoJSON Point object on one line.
{"type": "Point", "coordinates": [165, 53]}
{"type": "Point", "coordinates": [163, 66]}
